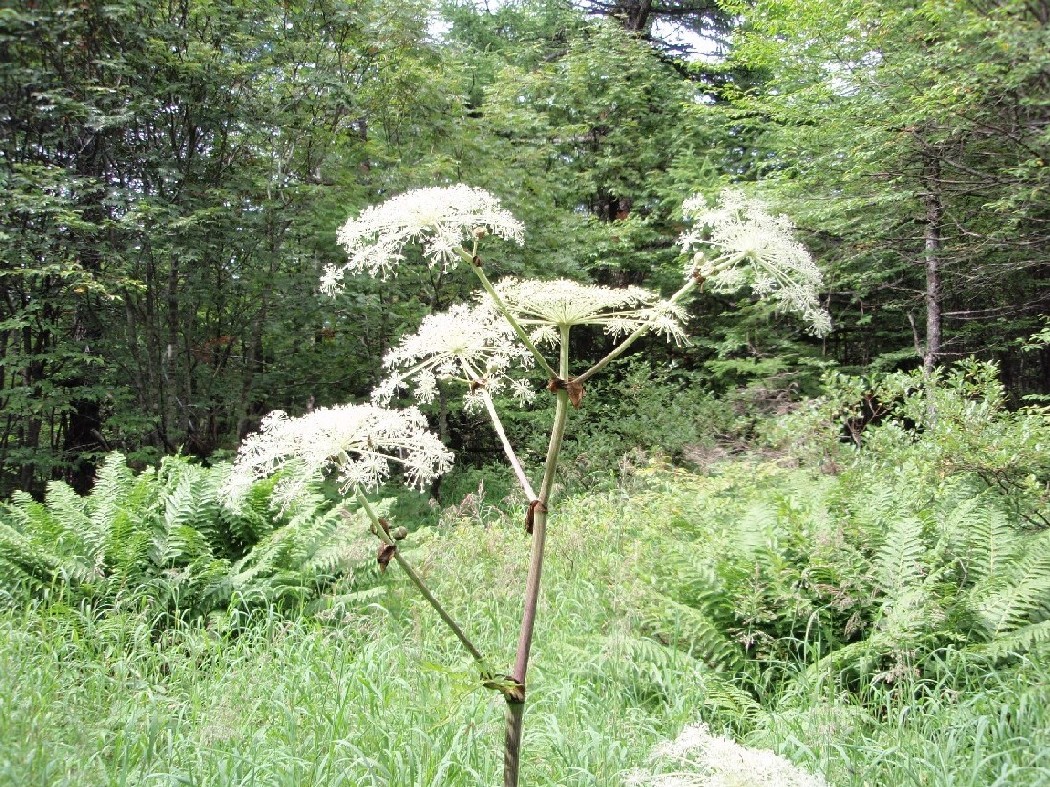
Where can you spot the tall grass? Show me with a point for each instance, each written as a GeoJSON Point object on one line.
{"type": "Point", "coordinates": [380, 693]}
{"type": "Point", "coordinates": [364, 698]}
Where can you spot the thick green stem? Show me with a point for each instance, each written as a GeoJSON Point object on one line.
{"type": "Point", "coordinates": [423, 589]}
{"type": "Point", "coordinates": [515, 713]}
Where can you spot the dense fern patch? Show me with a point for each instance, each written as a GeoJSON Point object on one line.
{"type": "Point", "coordinates": [761, 569]}
{"type": "Point", "coordinates": [169, 542]}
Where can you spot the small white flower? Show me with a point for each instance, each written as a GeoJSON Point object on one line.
{"type": "Point", "coordinates": [471, 344]}
{"type": "Point", "coordinates": [545, 307]}
{"type": "Point", "coordinates": [356, 443]}
{"type": "Point", "coordinates": [440, 219]}
{"type": "Point", "coordinates": [522, 391]}
{"type": "Point", "coordinates": [741, 244]}
{"type": "Point", "coordinates": [699, 759]}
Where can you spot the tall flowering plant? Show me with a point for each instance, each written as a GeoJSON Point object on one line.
{"type": "Point", "coordinates": [513, 331]}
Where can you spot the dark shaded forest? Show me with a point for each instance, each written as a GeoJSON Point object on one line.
{"type": "Point", "coordinates": [173, 173]}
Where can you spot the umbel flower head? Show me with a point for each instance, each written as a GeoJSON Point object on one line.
{"type": "Point", "coordinates": [355, 443]}
{"type": "Point", "coordinates": [739, 244]}
{"type": "Point", "coordinates": [439, 219]}
{"type": "Point", "coordinates": [545, 307]}
{"type": "Point", "coordinates": [474, 345]}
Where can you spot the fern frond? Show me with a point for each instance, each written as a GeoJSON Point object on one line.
{"type": "Point", "coordinates": [183, 498]}
{"type": "Point", "coordinates": [693, 631]}
{"type": "Point", "coordinates": [212, 519]}
{"type": "Point", "coordinates": [662, 665]}
{"type": "Point", "coordinates": [133, 526]}
{"type": "Point", "coordinates": [53, 537]}
{"type": "Point", "coordinates": [114, 480]}
{"type": "Point", "coordinates": [991, 541]}
{"type": "Point", "coordinates": [191, 513]}
{"type": "Point", "coordinates": [24, 565]}
{"type": "Point", "coordinates": [261, 561]}
{"type": "Point", "coordinates": [692, 580]}
{"type": "Point", "coordinates": [83, 535]}
{"type": "Point", "coordinates": [210, 581]}
{"type": "Point", "coordinates": [753, 529]}
{"type": "Point", "coordinates": [879, 504]}
{"type": "Point", "coordinates": [900, 562]}
{"type": "Point", "coordinates": [1023, 595]}
{"type": "Point", "coordinates": [252, 519]}
{"type": "Point", "coordinates": [1021, 640]}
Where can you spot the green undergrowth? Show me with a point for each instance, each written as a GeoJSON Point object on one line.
{"type": "Point", "coordinates": [378, 693]}
{"type": "Point", "coordinates": [882, 631]}
{"type": "Point", "coordinates": [170, 543]}
{"type": "Point", "coordinates": [375, 695]}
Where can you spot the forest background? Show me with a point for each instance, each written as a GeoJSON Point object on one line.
{"type": "Point", "coordinates": [173, 174]}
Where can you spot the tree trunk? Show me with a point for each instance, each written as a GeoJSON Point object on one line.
{"type": "Point", "coordinates": [931, 260]}
{"type": "Point", "coordinates": [636, 15]}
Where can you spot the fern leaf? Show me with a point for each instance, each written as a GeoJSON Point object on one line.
{"type": "Point", "coordinates": [1023, 596]}
{"type": "Point", "coordinates": [23, 564]}
{"type": "Point", "coordinates": [647, 659]}
{"type": "Point", "coordinates": [991, 543]}
{"type": "Point", "coordinates": [113, 482]}
{"type": "Point", "coordinates": [693, 631]}
{"type": "Point", "coordinates": [82, 537]}
{"type": "Point", "coordinates": [54, 535]}
{"type": "Point", "coordinates": [1020, 640]}
{"type": "Point", "coordinates": [134, 525]}
{"type": "Point", "coordinates": [900, 562]}
{"type": "Point", "coordinates": [879, 505]}
{"type": "Point", "coordinates": [252, 519]}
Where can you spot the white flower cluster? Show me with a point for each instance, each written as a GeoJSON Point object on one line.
{"type": "Point", "coordinates": [440, 219]}
{"type": "Point", "coordinates": [699, 759]}
{"type": "Point", "coordinates": [545, 307]}
{"type": "Point", "coordinates": [740, 244]}
{"type": "Point", "coordinates": [356, 443]}
{"type": "Point", "coordinates": [472, 344]}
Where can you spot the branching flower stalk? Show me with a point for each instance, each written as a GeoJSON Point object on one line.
{"type": "Point", "coordinates": [508, 449]}
{"type": "Point", "coordinates": [380, 530]}
{"type": "Point", "coordinates": [638, 333]}
{"type": "Point", "coordinates": [486, 347]}
{"type": "Point", "coordinates": [474, 261]}
{"type": "Point", "coordinates": [356, 444]}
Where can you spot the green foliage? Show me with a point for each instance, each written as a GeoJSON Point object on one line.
{"type": "Point", "coordinates": [861, 586]}
{"type": "Point", "coordinates": [953, 423]}
{"type": "Point", "coordinates": [173, 176]}
{"type": "Point", "coordinates": [902, 134]}
{"type": "Point", "coordinates": [167, 541]}
{"type": "Point", "coordinates": [639, 410]}
{"type": "Point", "coordinates": [354, 696]}
{"type": "Point", "coordinates": [918, 545]}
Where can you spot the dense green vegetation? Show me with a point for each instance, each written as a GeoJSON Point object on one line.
{"type": "Point", "coordinates": [832, 547]}
{"type": "Point", "coordinates": [169, 544]}
{"type": "Point", "coordinates": [879, 615]}
{"type": "Point", "coordinates": [173, 175]}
